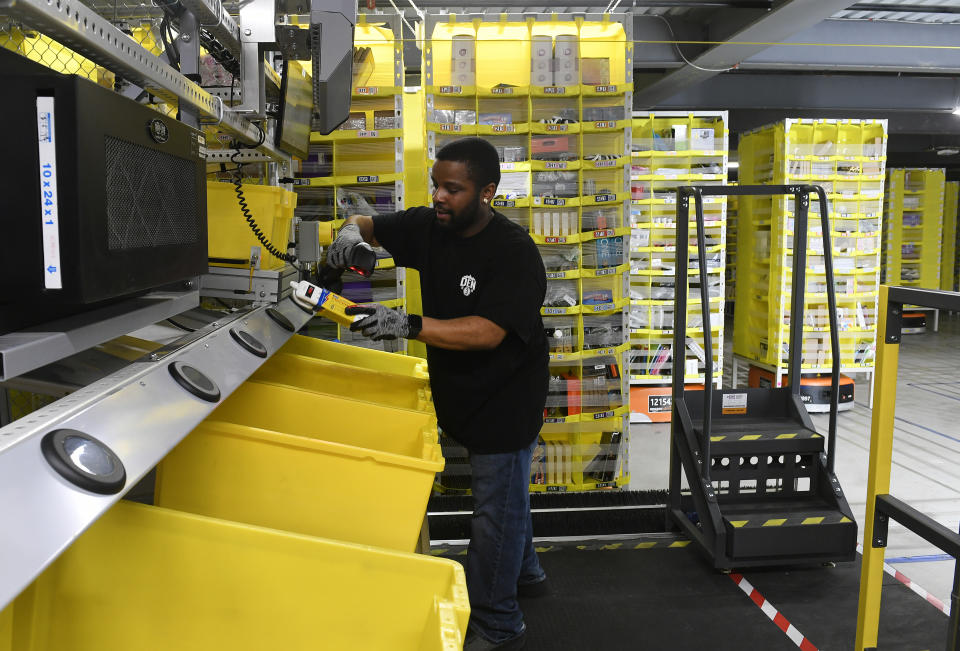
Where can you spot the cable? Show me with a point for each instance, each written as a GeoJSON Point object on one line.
{"type": "Point", "coordinates": [676, 46]}
{"type": "Point", "coordinates": [238, 188]}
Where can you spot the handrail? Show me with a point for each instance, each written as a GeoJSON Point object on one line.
{"type": "Point", "coordinates": [881, 506]}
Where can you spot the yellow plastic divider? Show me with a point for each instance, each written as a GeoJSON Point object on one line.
{"type": "Point", "coordinates": [144, 577]}
{"type": "Point", "coordinates": [307, 463]}
{"type": "Point", "coordinates": [333, 378]}
{"type": "Point", "coordinates": [375, 360]}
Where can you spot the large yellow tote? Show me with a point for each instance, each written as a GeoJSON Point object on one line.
{"type": "Point", "coordinates": [152, 579]}
{"type": "Point", "coordinates": [351, 371]}
{"type": "Point", "coordinates": [311, 463]}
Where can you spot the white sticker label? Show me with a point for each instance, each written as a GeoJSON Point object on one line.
{"type": "Point", "coordinates": [50, 223]}
{"type": "Point", "coordinates": [734, 403]}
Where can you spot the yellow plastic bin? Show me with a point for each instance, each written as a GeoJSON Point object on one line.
{"type": "Point", "coordinates": [399, 385]}
{"type": "Point", "coordinates": [367, 358]}
{"type": "Point", "coordinates": [149, 578]}
{"type": "Point", "coordinates": [310, 463]}
{"type": "Point", "coordinates": [230, 236]}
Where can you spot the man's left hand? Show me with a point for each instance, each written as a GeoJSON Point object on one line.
{"type": "Point", "coordinates": [381, 322]}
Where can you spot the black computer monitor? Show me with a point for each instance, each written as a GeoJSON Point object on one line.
{"type": "Point", "coordinates": [296, 109]}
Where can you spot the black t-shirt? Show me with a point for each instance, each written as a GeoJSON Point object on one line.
{"type": "Point", "coordinates": [489, 400]}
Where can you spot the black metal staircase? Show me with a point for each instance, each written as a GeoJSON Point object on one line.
{"type": "Point", "coordinates": [762, 488]}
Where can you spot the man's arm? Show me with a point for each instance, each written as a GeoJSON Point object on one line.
{"type": "Point", "coordinates": [365, 224]}
{"type": "Point", "coordinates": [463, 333]}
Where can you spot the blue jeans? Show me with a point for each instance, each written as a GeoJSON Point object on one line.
{"type": "Point", "coordinates": [501, 552]}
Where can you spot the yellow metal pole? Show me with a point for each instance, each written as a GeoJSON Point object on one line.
{"type": "Point", "coordinates": [878, 479]}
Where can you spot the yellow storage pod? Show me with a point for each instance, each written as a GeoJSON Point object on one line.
{"type": "Point", "coordinates": [331, 378]}
{"type": "Point", "coordinates": [143, 577]}
{"type": "Point", "coordinates": [310, 463]}
{"type": "Point", "coordinates": [230, 236]}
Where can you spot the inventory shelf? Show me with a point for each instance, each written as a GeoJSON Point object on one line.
{"type": "Point", "coordinates": [913, 227]}
{"type": "Point", "coordinates": [950, 268]}
{"type": "Point", "coordinates": [564, 148]}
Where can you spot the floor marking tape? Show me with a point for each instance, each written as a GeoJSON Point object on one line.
{"type": "Point", "coordinates": [905, 580]}
{"type": "Point", "coordinates": [775, 616]}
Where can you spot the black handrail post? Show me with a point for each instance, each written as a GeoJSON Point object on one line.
{"type": "Point", "coordinates": [834, 326]}
{"type": "Point", "coordinates": [707, 332]}
{"type": "Point", "coordinates": [953, 627]}
{"type": "Point", "coordinates": [801, 203]}
{"type": "Point", "coordinates": [680, 296]}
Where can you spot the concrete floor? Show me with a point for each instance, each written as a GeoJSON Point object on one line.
{"type": "Point", "coordinates": [926, 450]}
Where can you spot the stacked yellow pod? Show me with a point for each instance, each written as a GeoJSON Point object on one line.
{"type": "Point", "coordinates": [847, 158]}
{"type": "Point", "coordinates": [949, 267]}
{"type": "Point", "coordinates": [913, 227]}
{"type": "Point", "coordinates": [561, 127]}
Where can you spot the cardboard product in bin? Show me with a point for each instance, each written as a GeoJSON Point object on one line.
{"type": "Point", "coordinates": [333, 378]}
{"type": "Point", "coordinates": [144, 577]}
{"type": "Point", "coordinates": [309, 463]}
{"type": "Point", "coordinates": [230, 237]}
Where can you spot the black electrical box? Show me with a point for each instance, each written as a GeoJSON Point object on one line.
{"type": "Point", "coordinates": [103, 197]}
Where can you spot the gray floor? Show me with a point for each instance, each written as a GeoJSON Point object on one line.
{"type": "Point", "coordinates": [926, 450]}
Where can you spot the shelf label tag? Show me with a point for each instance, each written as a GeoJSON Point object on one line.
{"type": "Point", "coordinates": [451, 127]}
{"type": "Point", "coordinates": [49, 215]}
{"type": "Point", "coordinates": [605, 163]}
{"type": "Point", "coordinates": [557, 127]}
{"type": "Point", "coordinates": [603, 414]}
{"type": "Point", "coordinates": [603, 198]}
{"type": "Point", "coordinates": [504, 128]}
{"type": "Point", "coordinates": [553, 201]}
{"type": "Point", "coordinates": [368, 179]}
{"type": "Point", "coordinates": [553, 310]}
{"type": "Point", "coordinates": [555, 274]}
{"type": "Point", "coordinates": [502, 90]}
{"type": "Point", "coordinates": [367, 134]}
{"type": "Point", "coordinates": [556, 165]}
{"type": "Point", "coordinates": [605, 89]}
{"type": "Point", "coordinates": [365, 90]}
{"type": "Point", "coordinates": [554, 90]}
{"type": "Point", "coordinates": [502, 203]}
{"type": "Point", "coordinates": [609, 232]}
{"type": "Point", "coordinates": [451, 90]}
{"type": "Point", "coordinates": [605, 125]}
{"type": "Point", "coordinates": [300, 182]}
{"type": "Point", "coordinates": [606, 272]}
{"type": "Point", "coordinates": [734, 403]}
{"type": "Point", "coordinates": [555, 240]}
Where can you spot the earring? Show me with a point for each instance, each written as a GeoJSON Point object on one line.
{"type": "Point", "coordinates": [486, 201]}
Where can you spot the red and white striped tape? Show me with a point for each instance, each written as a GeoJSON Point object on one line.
{"type": "Point", "coordinates": [779, 620]}
{"type": "Point", "coordinates": [905, 580]}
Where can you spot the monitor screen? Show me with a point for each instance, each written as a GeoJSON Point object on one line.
{"type": "Point", "coordinates": [296, 109]}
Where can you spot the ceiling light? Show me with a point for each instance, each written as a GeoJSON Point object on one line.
{"type": "Point", "coordinates": [948, 151]}
{"type": "Point", "coordinates": [956, 111]}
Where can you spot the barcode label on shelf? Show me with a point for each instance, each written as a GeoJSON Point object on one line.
{"type": "Point", "coordinates": [49, 217]}
{"type": "Point", "coordinates": [553, 310]}
{"type": "Point", "coordinates": [507, 166]}
{"type": "Point", "coordinates": [604, 163]}
{"type": "Point", "coordinates": [556, 274]}
{"type": "Point", "coordinates": [502, 91]}
{"type": "Point", "coordinates": [451, 90]}
{"type": "Point", "coordinates": [555, 240]}
{"type": "Point", "coordinates": [605, 89]}
{"type": "Point", "coordinates": [365, 90]}
{"type": "Point", "coordinates": [734, 403]}
{"type": "Point", "coordinates": [556, 489]}
{"type": "Point", "coordinates": [451, 127]}
{"type": "Point", "coordinates": [556, 165]}
{"type": "Point", "coordinates": [603, 198]}
{"type": "Point", "coordinates": [606, 272]}
{"type": "Point", "coordinates": [603, 307]}
{"type": "Point", "coordinates": [557, 127]}
{"type": "Point", "coordinates": [606, 484]}
{"type": "Point", "coordinates": [554, 90]}
{"type": "Point", "coordinates": [300, 182]}
{"type": "Point", "coordinates": [553, 201]}
{"type": "Point", "coordinates": [554, 420]}
{"type": "Point", "coordinates": [603, 414]}
{"type": "Point", "coordinates": [504, 128]}
{"type": "Point", "coordinates": [605, 125]}
{"type": "Point", "coordinates": [367, 134]}
{"type": "Point", "coordinates": [502, 203]}
{"type": "Point", "coordinates": [367, 179]}
{"type": "Point", "coordinates": [609, 232]}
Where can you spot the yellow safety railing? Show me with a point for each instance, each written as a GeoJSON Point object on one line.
{"type": "Point", "coordinates": [881, 506]}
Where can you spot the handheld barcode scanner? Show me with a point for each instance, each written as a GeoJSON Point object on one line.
{"type": "Point", "coordinates": [362, 260]}
{"type": "Point", "coordinates": [312, 298]}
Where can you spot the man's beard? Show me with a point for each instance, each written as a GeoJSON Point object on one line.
{"type": "Point", "coordinates": [461, 221]}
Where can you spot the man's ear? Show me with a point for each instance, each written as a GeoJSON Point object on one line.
{"type": "Point", "coordinates": [488, 192]}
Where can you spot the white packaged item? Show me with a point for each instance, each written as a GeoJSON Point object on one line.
{"type": "Point", "coordinates": [463, 60]}
{"type": "Point", "coordinates": [538, 223]}
{"type": "Point", "coordinates": [680, 137]}
{"type": "Point", "coordinates": [701, 139]}
{"type": "Point", "coordinates": [566, 61]}
{"type": "Point", "coordinates": [541, 61]}
{"type": "Point", "coordinates": [556, 225]}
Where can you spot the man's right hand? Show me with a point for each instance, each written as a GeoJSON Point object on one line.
{"type": "Point", "coordinates": [338, 255]}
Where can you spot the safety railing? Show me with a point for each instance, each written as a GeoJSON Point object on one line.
{"type": "Point", "coordinates": [881, 506]}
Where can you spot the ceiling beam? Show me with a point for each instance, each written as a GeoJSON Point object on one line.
{"type": "Point", "coordinates": [775, 26]}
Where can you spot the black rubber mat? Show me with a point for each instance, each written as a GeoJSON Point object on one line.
{"type": "Point", "coordinates": [669, 599]}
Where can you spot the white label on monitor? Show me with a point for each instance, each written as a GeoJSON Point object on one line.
{"type": "Point", "coordinates": [50, 223]}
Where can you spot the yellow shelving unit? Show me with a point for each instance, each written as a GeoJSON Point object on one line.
{"type": "Point", "coordinates": [948, 257]}
{"type": "Point", "coordinates": [913, 227]}
{"type": "Point", "coordinates": [847, 158]}
{"type": "Point", "coordinates": [561, 126]}
{"type": "Point", "coordinates": [671, 149]}
{"type": "Point", "coordinates": [358, 168]}
{"type": "Point", "coordinates": [731, 272]}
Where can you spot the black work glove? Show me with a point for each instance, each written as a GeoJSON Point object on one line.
{"type": "Point", "coordinates": [338, 255]}
{"type": "Point", "coordinates": [381, 322]}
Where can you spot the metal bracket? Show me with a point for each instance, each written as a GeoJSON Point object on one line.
{"type": "Point", "coordinates": [894, 323]}
{"type": "Point", "coordinates": [880, 523]}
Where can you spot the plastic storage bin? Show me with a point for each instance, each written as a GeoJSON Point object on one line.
{"type": "Point", "coordinates": [144, 577]}
{"type": "Point", "coordinates": [230, 236]}
{"type": "Point", "coordinates": [309, 463]}
{"type": "Point", "coordinates": [374, 360]}
{"type": "Point", "coordinates": [332, 378]}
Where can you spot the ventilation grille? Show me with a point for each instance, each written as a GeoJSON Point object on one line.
{"type": "Point", "coordinates": [151, 198]}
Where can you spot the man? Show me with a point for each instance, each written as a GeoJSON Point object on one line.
{"type": "Point", "coordinates": [482, 282]}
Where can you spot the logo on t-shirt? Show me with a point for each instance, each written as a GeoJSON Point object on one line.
{"type": "Point", "coordinates": [468, 283]}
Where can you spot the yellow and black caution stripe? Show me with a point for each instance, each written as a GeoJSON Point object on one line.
{"type": "Point", "coordinates": [765, 436]}
{"type": "Point", "coordinates": [666, 543]}
{"type": "Point", "coordinates": [810, 519]}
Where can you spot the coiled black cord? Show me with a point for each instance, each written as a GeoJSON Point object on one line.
{"type": "Point", "coordinates": [238, 188]}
